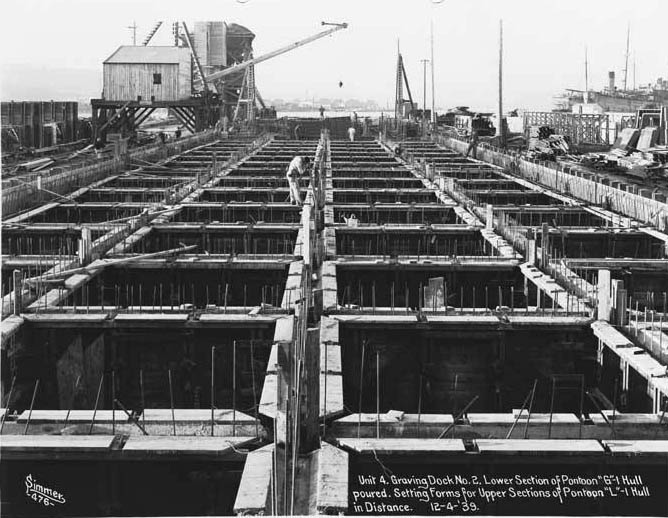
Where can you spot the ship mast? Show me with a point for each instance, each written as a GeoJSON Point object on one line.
{"type": "Point", "coordinates": [433, 94]}
{"type": "Point", "coordinates": [499, 129]}
{"type": "Point", "coordinates": [586, 92]}
{"type": "Point", "coordinates": [626, 66]}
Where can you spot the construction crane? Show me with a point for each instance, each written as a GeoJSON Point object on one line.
{"type": "Point", "coordinates": [216, 76]}
{"type": "Point", "coordinates": [401, 80]}
{"type": "Point", "coordinates": [245, 95]}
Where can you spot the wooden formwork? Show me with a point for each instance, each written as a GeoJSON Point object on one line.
{"type": "Point", "coordinates": [581, 128]}
{"type": "Point", "coordinates": [33, 122]}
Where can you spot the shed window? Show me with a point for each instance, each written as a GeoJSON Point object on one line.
{"type": "Point", "coordinates": [157, 79]}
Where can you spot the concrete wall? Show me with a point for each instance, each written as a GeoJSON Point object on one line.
{"type": "Point", "coordinates": [629, 200]}
{"type": "Point", "coordinates": [64, 180]}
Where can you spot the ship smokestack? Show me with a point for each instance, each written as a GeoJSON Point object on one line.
{"type": "Point", "coordinates": [611, 81]}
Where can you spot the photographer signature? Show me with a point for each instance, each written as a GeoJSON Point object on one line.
{"type": "Point", "coordinates": [42, 494]}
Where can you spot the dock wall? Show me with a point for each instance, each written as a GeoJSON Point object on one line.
{"type": "Point", "coordinates": [47, 185]}
{"type": "Point", "coordinates": [630, 200]}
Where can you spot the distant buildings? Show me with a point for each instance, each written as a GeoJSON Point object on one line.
{"type": "Point", "coordinates": [328, 104]}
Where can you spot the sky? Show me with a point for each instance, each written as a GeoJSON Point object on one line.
{"type": "Point", "coordinates": [544, 45]}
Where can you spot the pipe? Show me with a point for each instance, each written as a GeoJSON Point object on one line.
{"type": "Point", "coordinates": [109, 262]}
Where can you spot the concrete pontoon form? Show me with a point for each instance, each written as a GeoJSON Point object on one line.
{"type": "Point", "coordinates": [433, 314]}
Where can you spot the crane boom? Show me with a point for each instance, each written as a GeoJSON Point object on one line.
{"type": "Point", "coordinates": [283, 50]}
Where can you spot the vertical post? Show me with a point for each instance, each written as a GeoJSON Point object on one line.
{"type": "Point", "coordinates": [171, 400]}
{"type": "Point", "coordinates": [18, 288]}
{"type": "Point", "coordinates": [604, 299]}
{"type": "Point", "coordinates": [499, 129]}
{"type": "Point", "coordinates": [85, 245]}
{"type": "Point", "coordinates": [424, 87]}
{"type": "Point", "coordinates": [212, 393]}
{"type": "Point", "coordinates": [614, 406]}
{"type": "Point", "coordinates": [143, 400]}
{"type": "Point", "coordinates": [310, 408]}
{"type": "Point", "coordinates": [419, 406]}
{"type": "Point", "coordinates": [620, 305]}
{"type": "Point", "coordinates": [554, 388]}
{"type": "Point", "coordinates": [377, 394]}
{"type": "Point", "coordinates": [97, 401]}
{"type": "Point", "coordinates": [489, 217]}
{"type": "Point", "coordinates": [284, 370]}
{"type": "Point", "coordinates": [113, 402]}
{"type": "Point", "coordinates": [531, 248]}
{"type": "Point", "coordinates": [626, 62]}
{"type": "Point", "coordinates": [586, 92]}
{"type": "Point", "coordinates": [324, 412]}
{"type": "Point", "coordinates": [581, 415]}
{"type": "Point", "coordinates": [7, 403]}
{"type": "Point", "coordinates": [544, 245]}
{"type": "Point", "coordinates": [32, 404]}
{"type": "Point", "coordinates": [306, 222]}
{"type": "Point", "coordinates": [359, 407]}
{"type": "Point", "coordinates": [234, 388]}
{"type": "Point", "coordinates": [433, 90]}
{"type": "Point", "coordinates": [533, 393]}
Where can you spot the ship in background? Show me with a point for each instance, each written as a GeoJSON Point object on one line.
{"type": "Point", "coordinates": [613, 99]}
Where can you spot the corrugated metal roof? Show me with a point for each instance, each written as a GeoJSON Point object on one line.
{"type": "Point", "coordinates": [148, 54]}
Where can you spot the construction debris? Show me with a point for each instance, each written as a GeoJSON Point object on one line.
{"type": "Point", "coordinates": [544, 144]}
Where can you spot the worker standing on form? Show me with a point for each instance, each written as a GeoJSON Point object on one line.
{"type": "Point", "coordinates": [297, 167]}
{"type": "Point", "coordinates": [351, 134]}
{"type": "Point", "coordinates": [99, 146]}
{"type": "Point", "coordinates": [473, 144]}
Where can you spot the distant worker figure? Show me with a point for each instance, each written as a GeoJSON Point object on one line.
{"type": "Point", "coordinates": [473, 145]}
{"type": "Point", "coordinates": [351, 134]}
{"type": "Point", "coordinates": [351, 221]}
{"type": "Point", "coordinates": [366, 127]}
{"type": "Point", "coordinates": [297, 131]}
{"type": "Point", "coordinates": [398, 151]}
{"type": "Point", "coordinates": [322, 112]}
{"type": "Point", "coordinates": [297, 167]}
{"type": "Point", "coordinates": [99, 146]}
{"type": "Point", "coordinates": [177, 133]}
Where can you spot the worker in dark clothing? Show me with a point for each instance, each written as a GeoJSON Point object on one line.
{"type": "Point", "coordinates": [177, 133]}
{"type": "Point", "coordinates": [322, 112]}
{"type": "Point", "coordinates": [297, 131]}
{"type": "Point", "coordinates": [99, 146]}
{"type": "Point", "coordinates": [473, 144]}
{"type": "Point", "coordinates": [398, 151]}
